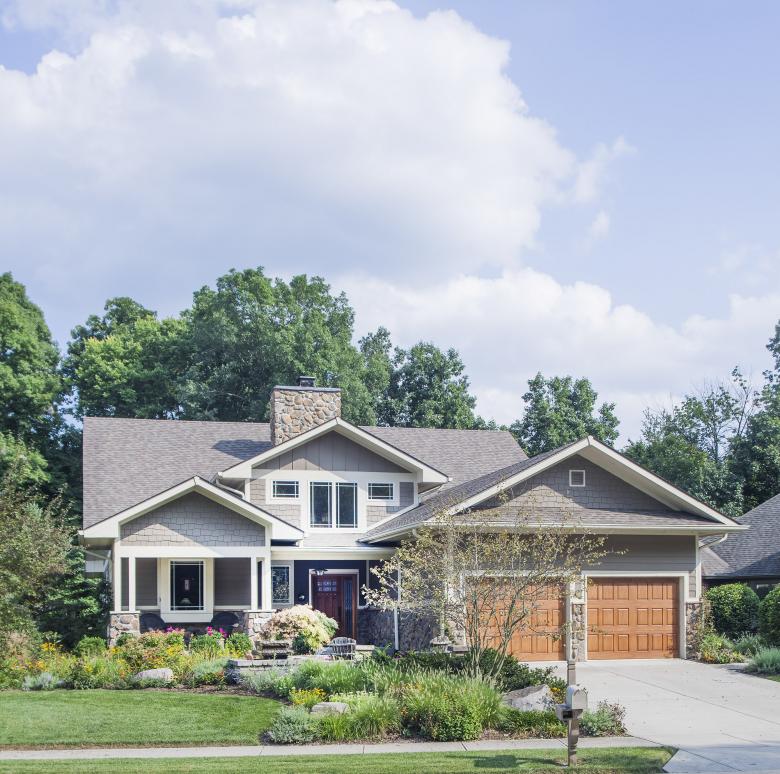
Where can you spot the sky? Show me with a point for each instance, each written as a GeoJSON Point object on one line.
{"type": "Point", "coordinates": [585, 188]}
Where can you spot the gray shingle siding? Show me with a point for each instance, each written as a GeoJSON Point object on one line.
{"type": "Point", "coordinates": [192, 520]}
{"type": "Point", "coordinates": [289, 512]}
{"type": "Point", "coordinates": [652, 553]}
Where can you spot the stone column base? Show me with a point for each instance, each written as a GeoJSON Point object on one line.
{"type": "Point", "coordinates": [123, 623]}
{"type": "Point", "coordinates": [254, 621]}
{"type": "Point", "coordinates": [693, 612]}
{"type": "Point", "coordinates": [578, 632]}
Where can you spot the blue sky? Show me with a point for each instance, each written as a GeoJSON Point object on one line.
{"type": "Point", "coordinates": [571, 187]}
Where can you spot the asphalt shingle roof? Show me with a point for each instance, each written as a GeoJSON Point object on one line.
{"type": "Point", "coordinates": [126, 461]}
{"type": "Point", "coordinates": [753, 553]}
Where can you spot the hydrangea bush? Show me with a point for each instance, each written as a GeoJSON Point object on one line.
{"type": "Point", "coordinates": [309, 629]}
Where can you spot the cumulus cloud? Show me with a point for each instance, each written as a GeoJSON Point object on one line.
{"type": "Point", "coordinates": [592, 171]}
{"type": "Point", "coordinates": [513, 325]}
{"type": "Point", "coordinates": [599, 226]}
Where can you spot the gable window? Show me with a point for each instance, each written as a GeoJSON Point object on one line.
{"type": "Point", "coordinates": [346, 505]}
{"type": "Point", "coordinates": [320, 504]}
{"type": "Point", "coordinates": [280, 585]}
{"type": "Point", "coordinates": [187, 586]}
{"type": "Point", "coordinates": [380, 491]}
{"type": "Point", "coordinates": [576, 478]}
{"type": "Point", "coordinates": [286, 489]}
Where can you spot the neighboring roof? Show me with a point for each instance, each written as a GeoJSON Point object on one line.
{"type": "Point", "coordinates": [479, 489]}
{"type": "Point", "coordinates": [127, 461]}
{"type": "Point", "coordinates": [751, 554]}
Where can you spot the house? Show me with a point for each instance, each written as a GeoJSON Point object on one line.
{"type": "Point", "coordinates": [199, 517]}
{"type": "Point", "coordinates": [751, 557]}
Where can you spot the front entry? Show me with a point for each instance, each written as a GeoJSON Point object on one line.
{"type": "Point", "coordinates": [336, 596]}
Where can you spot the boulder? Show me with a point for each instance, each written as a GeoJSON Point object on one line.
{"type": "Point", "coordinates": [330, 708]}
{"type": "Point", "coordinates": [535, 697]}
{"type": "Point", "coordinates": [163, 675]}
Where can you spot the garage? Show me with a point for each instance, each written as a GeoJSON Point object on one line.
{"type": "Point", "coordinates": [633, 618]}
{"type": "Point", "coordinates": [543, 639]}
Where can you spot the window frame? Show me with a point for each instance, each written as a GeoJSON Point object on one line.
{"type": "Point", "coordinates": [374, 498]}
{"type": "Point", "coordinates": [174, 608]}
{"type": "Point", "coordinates": [289, 599]}
{"type": "Point", "coordinates": [337, 502]}
{"type": "Point", "coordinates": [286, 482]}
{"type": "Point", "coordinates": [584, 480]}
{"type": "Point", "coordinates": [329, 485]}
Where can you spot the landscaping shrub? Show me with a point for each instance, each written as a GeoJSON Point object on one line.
{"type": "Point", "coordinates": [90, 646]}
{"type": "Point", "coordinates": [333, 677]}
{"type": "Point", "coordinates": [307, 697]}
{"type": "Point", "coordinates": [370, 716]}
{"type": "Point", "coordinates": [734, 608]}
{"type": "Point", "coordinates": [607, 719]}
{"type": "Point", "coordinates": [749, 644]}
{"type": "Point", "coordinates": [769, 616]}
{"type": "Point", "coordinates": [266, 681]}
{"type": "Point", "coordinates": [716, 649]}
{"type": "Point", "coordinates": [210, 672]}
{"type": "Point", "coordinates": [765, 662]}
{"type": "Point", "coordinates": [210, 644]}
{"type": "Point", "coordinates": [45, 681]}
{"type": "Point", "coordinates": [309, 629]}
{"type": "Point", "coordinates": [238, 644]}
{"type": "Point", "coordinates": [293, 725]}
{"type": "Point", "coordinates": [100, 672]}
{"type": "Point", "coordinates": [530, 724]}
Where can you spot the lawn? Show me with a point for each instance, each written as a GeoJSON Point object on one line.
{"type": "Point", "coordinates": [636, 760]}
{"type": "Point", "coordinates": [118, 718]}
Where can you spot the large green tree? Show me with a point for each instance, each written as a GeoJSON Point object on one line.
{"type": "Point", "coordinates": [559, 410]}
{"type": "Point", "coordinates": [127, 362]}
{"type": "Point", "coordinates": [30, 383]}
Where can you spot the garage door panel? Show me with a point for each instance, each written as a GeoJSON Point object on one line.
{"type": "Point", "coordinates": [633, 618]}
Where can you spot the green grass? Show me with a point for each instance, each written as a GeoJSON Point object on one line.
{"type": "Point", "coordinates": [636, 760]}
{"type": "Point", "coordinates": [102, 718]}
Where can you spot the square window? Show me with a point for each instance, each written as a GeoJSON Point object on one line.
{"type": "Point", "coordinates": [286, 489]}
{"type": "Point", "coordinates": [280, 585]}
{"type": "Point", "coordinates": [319, 504]}
{"type": "Point", "coordinates": [380, 491]}
{"type": "Point", "coordinates": [576, 478]}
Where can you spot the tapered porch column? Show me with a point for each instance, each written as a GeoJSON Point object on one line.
{"type": "Point", "coordinates": [267, 601]}
{"type": "Point", "coordinates": [131, 583]}
{"type": "Point", "coordinates": [253, 601]}
{"type": "Point", "coordinates": [116, 576]}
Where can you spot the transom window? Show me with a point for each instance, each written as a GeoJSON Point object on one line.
{"type": "Point", "coordinates": [327, 499]}
{"type": "Point", "coordinates": [280, 585]}
{"type": "Point", "coordinates": [285, 489]}
{"type": "Point", "coordinates": [187, 586]}
{"type": "Point", "coordinates": [380, 491]}
{"type": "Point", "coordinates": [576, 478]}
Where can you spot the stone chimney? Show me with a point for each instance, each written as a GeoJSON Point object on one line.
{"type": "Point", "coordinates": [294, 410]}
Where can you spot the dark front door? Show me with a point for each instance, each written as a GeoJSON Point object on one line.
{"type": "Point", "coordinates": [336, 596]}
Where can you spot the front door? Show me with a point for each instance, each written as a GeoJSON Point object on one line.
{"type": "Point", "coordinates": [336, 596]}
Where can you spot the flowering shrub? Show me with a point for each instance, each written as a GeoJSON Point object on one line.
{"type": "Point", "coordinates": [238, 644]}
{"type": "Point", "coordinates": [211, 643]}
{"type": "Point", "coordinates": [310, 628]}
{"type": "Point", "coordinates": [152, 650]}
{"type": "Point", "coordinates": [306, 697]}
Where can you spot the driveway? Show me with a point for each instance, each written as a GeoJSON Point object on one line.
{"type": "Point", "coordinates": [721, 718]}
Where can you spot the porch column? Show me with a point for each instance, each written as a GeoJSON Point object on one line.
{"type": "Point", "coordinates": [131, 583]}
{"type": "Point", "coordinates": [253, 601]}
{"type": "Point", "coordinates": [267, 594]}
{"type": "Point", "coordinates": [116, 576]}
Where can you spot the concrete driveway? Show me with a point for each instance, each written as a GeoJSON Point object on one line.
{"type": "Point", "coordinates": [721, 718]}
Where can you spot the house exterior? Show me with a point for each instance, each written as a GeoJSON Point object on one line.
{"type": "Point", "coordinates": [751, 557]}
{"type": "Point", "coordinates": [193, 518]}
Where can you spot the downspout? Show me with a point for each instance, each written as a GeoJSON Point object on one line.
{"type": "Point", "coordinates": [217, 482]}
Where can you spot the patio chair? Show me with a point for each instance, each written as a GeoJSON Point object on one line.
{"type": "Point", "coordinates": [343, 647]}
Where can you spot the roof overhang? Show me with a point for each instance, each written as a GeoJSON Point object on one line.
{"type": "Point", "coordinates": [111, 528]}
{"type": "Point", "coordinates": [428, 474]}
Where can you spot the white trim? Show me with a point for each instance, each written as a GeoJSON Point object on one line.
{"type": "Point", "coordinates": [200, 551]}
{"type": "Point", "coordinates": [164, 592]}
{"type": "Point", "coordinates": [584, 479]}
{"type": "Point", "coordinates": [354, 433]}
{"type": "Point", "coordinates": [335, 553]}
{"type": "Point", "coordinates": [131, 583]}
{"type": "Point", "coordinates": [275, 527]}
{"type": "Point", "coordinates": [116, 576]}
{"type": "Point", "coordinates": [381, 500]}
{"type": "Point", "coordinates": [320, 573]}
{"type": "Point", "coordinates": [254, 602]}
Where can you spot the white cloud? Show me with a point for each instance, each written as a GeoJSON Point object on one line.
{"type": "Point", "coordinates": [509, 327]}
{"type": "Point", "coordinates": [599, 226]}
{"type": "Point", "coordinates": [592, 172]}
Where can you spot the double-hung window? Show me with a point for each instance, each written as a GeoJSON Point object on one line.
{"type": "Point", "coordinates": [327, 499]}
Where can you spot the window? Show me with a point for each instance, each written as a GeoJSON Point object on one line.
{"type": "Point", "coordinates": [319, 504]}
{"type": "Point", "coordinates": [346, 505]}
{"type": "Point", "coordinates": [286, 489]}
{"type": "Point", "coordinates": [280, 585]}
{"type": "Point", "coordinates": [186, 585]}
{"type": "Point", "coordinates": [576, 478]}
{"type": "Point", "coordinates": [380, 491]}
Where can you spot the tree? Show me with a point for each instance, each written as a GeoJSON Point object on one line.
{"type": "Point", "coordinates": [126, 363]}
{"type": "Point", "coordinates": [34, 545]}
{"type": "Point", "coordinates": [691, 444]}
{"type": "Point", "coordinates": [30, 384]}
{"type": "Point", "coordinates": [252, 332]}
{"type": "Point", "coordinates": [482, 574]}
{"type": "Point", "coordinates": [560, 410]}
{"type": "Point", "coordinates": [428, 388]}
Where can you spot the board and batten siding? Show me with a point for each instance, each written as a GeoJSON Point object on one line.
{"type": "Point", "coordinates": [651, 553]}
{"type": "Point", "coordinates": [332, 452]}
{"type": "Point", "coordinates": [289, 512]}
{"type": "Point", "coordinates": [192, 520]}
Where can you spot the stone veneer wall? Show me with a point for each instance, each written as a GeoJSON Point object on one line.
{"type": "Point", "coordinates": [294, 410]}
{"type": "Point", "coordinates": [692, 618]}
{"type": "Point", "coordinates": [253, 622]}
{"type": "Point", "coordinates": [376, 627]}
{"type": "Point", "coordinates": [121, 623]}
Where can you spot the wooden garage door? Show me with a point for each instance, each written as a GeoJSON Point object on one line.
{"type": "Point", "coordinates": [633, 618]}
{"type": "Point", "coordinates": [543, 639]}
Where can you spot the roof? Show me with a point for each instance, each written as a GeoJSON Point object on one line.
{"type": "Point", "coordinates": [127, 461]}
{"type": "Point", "coordinates": [751, 554]}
